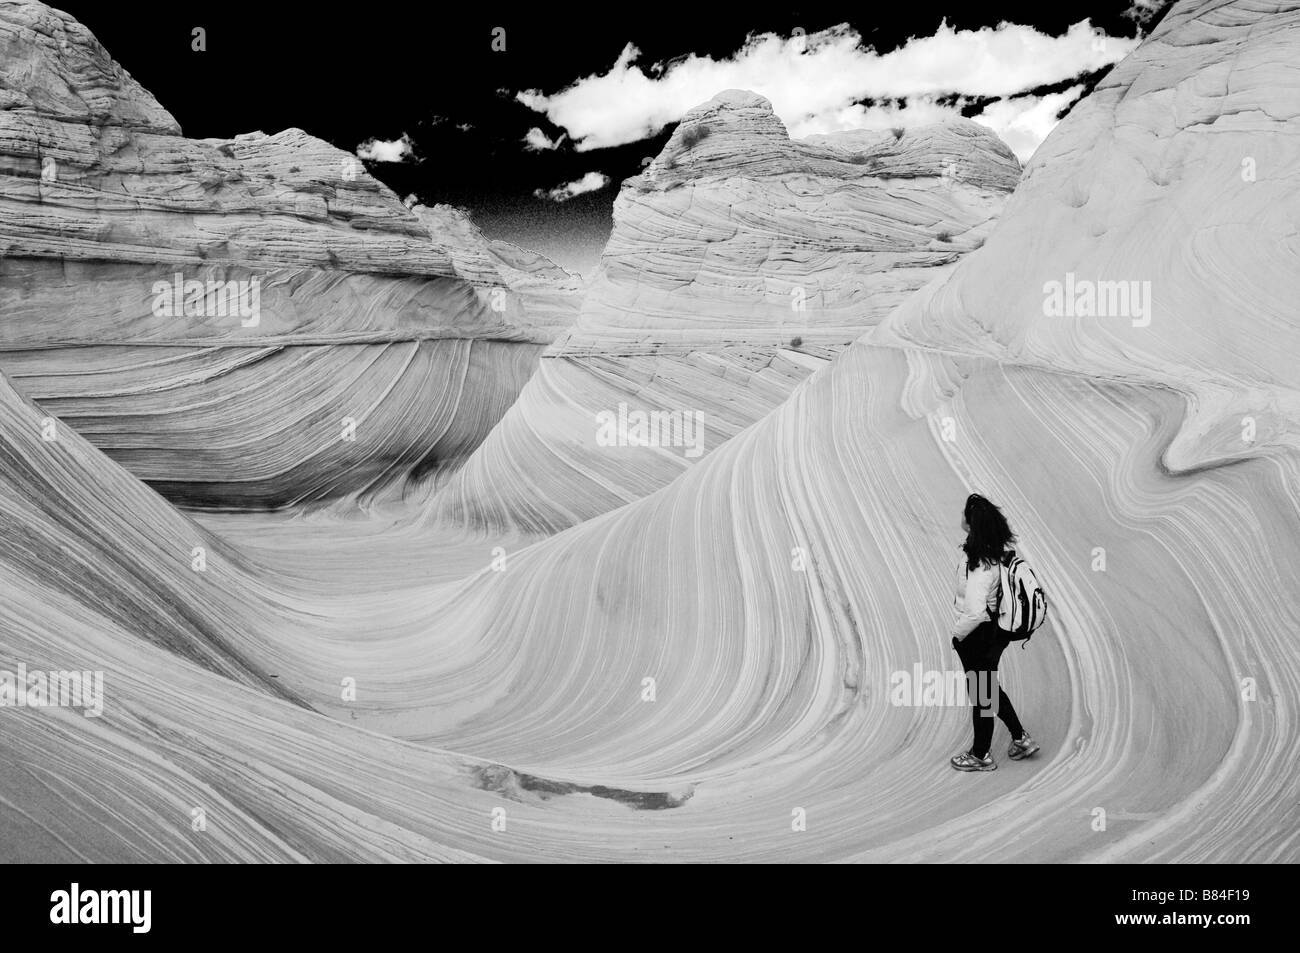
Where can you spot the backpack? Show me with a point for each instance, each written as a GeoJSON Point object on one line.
{"type": "Point", "coordinates": [1022, 604]}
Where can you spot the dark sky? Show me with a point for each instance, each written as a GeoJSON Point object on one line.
{"type": "Point", "coordinates": [347, 72]}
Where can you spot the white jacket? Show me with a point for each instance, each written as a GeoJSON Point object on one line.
{"type": "Point", "coordinates": [976, 596]}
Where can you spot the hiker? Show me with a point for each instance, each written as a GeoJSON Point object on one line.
{"type": "Point", "coordinates": [978, 639]}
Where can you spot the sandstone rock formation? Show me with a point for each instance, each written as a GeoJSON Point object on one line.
{"type": "Point", "coordinates": [378, 328]}
{"type": "Point", "coordinates": [740, 262]}
{"type": "Point", "coordinates": [533, 295]}
{"type": "Point", "coordinates": [1173, 238]}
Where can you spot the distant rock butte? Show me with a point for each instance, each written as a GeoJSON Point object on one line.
{"type": "Point", "coordinates": [361, 302]}
{"type": "Point", "coordinates": [735, 227]}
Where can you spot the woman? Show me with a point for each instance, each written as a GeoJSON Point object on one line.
{"type": "Point", "coordinates": [976, 636]}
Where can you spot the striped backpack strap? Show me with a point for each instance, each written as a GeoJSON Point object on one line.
{"type": "Point", "coordinates": [1004, 586]}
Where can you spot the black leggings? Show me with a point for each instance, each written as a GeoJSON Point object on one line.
{"type": "Point", "coordinates": [979, 653]}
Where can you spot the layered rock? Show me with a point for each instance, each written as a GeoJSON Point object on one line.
{"type": "Point", "coordinates": [781, 594]}
{"type": "Point", "coordinates": [532, 294]}
{"type": "Point", "coordinates": [740, 262]}
{"type": "Point", "coordinates": [308, 283]}
{"type": "Point", "coordinates": [1170, 202]}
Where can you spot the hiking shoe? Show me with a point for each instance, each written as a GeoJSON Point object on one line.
{"type": "Point", "coordinates": [968, 762]}
{"type": "Point", "coordinates": [1022, 748]}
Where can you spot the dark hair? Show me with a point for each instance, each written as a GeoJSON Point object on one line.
{"type": "Point", "coordinates": [989, 535]}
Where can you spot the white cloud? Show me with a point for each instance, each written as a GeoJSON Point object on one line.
{"type": "Point", "coordinates": [537, 141]}
{"type": "Point", "coordinates": [379, 150]}
{"type": "Point", "coordinates": [818, 90]}
{"type": "Point", "coordinates": [590, 182]}
{"type": "Point", "coordinates": [1023, 123]}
